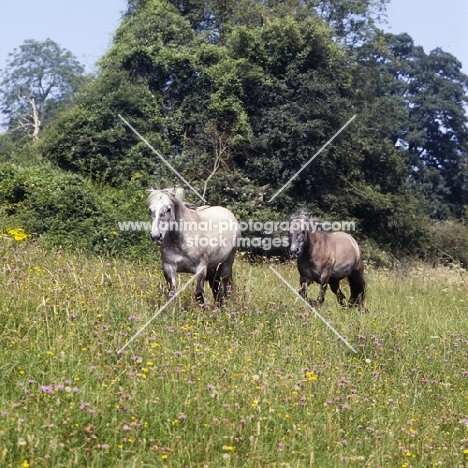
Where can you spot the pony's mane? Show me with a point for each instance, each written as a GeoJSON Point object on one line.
{"type": "Point", "coordinates": [179, 206]}
{"type": "Point", "coordinates": [303, 215]}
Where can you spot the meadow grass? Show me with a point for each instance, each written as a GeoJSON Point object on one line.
{"type": "Point", "coordinates": [260, 382]}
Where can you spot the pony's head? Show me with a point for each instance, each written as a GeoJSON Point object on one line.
{"type": "Point", "coordinates": [164, 208]}
{"type": "Point", "coordinates": [298, 227]}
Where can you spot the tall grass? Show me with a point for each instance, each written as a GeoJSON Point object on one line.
{"type": "Point", "coordinates": [257, 383]}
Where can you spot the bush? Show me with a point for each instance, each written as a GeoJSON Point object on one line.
{"type": "Point", "coordinates": [449, 241]}
{"type": "Point", "coordinates": [63, 209]}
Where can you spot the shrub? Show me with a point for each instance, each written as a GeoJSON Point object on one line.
{"type": "Point", "coordinates": [63, 209]}
{"type": "Point", "coordinates": [449, 241]}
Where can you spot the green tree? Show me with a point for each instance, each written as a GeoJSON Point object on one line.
{"type": "Point", "coordinates": [433, 131]}
{"type": "Point", "coordinates": [239, 112]}
{"type": "Point", "coordinates": [89, 138]}
{"type": "Point", "coordinates": [38, 78]}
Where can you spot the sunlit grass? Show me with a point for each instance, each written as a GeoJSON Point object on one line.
{"type": "Point", "coordinates": [260, 382]}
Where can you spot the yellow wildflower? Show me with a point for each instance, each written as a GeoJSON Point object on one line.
{"type": "Point", "coordinates": [18, 234]}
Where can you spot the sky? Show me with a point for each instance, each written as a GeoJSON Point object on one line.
{"type": "Point", "coordinates": [432, 24]}
{"type": "Point", "coordinates": [85, 27]}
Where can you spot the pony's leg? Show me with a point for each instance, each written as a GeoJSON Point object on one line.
{"type": "Point", "coordinates": [321, 296]}
{"type": "Point", "coordinates": [304, 284]}
{"type": "Point", "coordinates": [213, 280]}
{"type": "Point", "coordinates": [335, 287]}
{"type": "Point", "coordinates": [357, 284]}
{"type": "Point", "coordinates": [199, 291]}
{"type": "Point", "coordinates": [222, 278]}
{"type": "Point", "coordinates": [170, 271]}
{"type": "Point", "coordinates": [324, 278]}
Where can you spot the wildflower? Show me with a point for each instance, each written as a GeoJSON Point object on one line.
{"type": "Point", "coordinates": [25, 464]}
{"type": "Point", "coordinates": [47, 389]}
{"type": "Point", "coordinates": [18, 235]}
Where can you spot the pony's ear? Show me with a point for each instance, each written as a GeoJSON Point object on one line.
{"type": "Point", "coordinates": [179, 194]}
{"type": "Point", "coordinates": [151, 189]}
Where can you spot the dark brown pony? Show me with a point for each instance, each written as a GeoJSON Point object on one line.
{"type": "Point", "coordinates": [326, 258]}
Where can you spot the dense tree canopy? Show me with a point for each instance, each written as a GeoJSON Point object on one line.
{"type": "Point", "coordinates": [239, 95]}
{"type": "Point", "coordinates": [431, 91]}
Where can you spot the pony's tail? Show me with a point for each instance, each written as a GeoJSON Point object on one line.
{"type": "Point", "coordinates": [230, 284]}
{"type": "Point", "coordinates": [357, 284]}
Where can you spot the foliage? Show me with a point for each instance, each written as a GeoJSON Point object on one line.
{"type": "Point", "coordinates": [90, 139]}
{"type": "Point", "coordinates": [38, 78]}
{"type": "Point", "coordinates": [62, 209]}
{"type": "Point", "coordinates": [237, 115]}
{"type": "Point", "coordinates": [449, 241]}
{"type": "Point", "coordinates": [18, 148]}
{"type": "Point", "coordinates": [238, 96]}
{"type": "Point", "coordinates": [431, 90]}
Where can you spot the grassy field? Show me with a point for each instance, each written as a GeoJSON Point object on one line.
{"type": "Point", "coordinates": [258, 383]}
